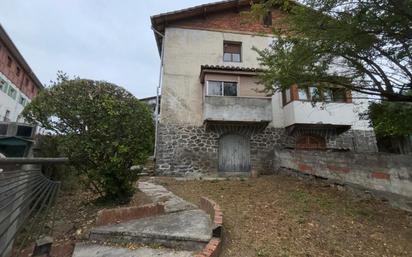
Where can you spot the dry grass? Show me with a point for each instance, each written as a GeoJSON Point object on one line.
{"type": "Point", "coordinates": [284, 216]}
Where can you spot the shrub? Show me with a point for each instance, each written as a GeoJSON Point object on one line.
{"type": "Point", "coordinates": [103, 130]}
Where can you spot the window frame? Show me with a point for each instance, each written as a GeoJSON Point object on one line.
{"type": "Point", "coordinates": [222, 85]}
{"type": "Point", "coordinates": [231, 54]}
{"type": "Point", "coordinates": [9, 61]}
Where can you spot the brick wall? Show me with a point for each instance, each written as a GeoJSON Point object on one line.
{"type": "Point", "coordinates": [22, 81]}
{"type": "Point", "coordinates": [386, 175]}
{"type": "Point", "coordinates": [232, 21]}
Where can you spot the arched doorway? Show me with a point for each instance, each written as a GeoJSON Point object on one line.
{"type": "Point", "coordinates": [234, 153]}
{"type": "Point", "coordinates": [310, 142]}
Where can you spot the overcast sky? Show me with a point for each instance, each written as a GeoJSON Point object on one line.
{"type": "Point", "coordinates": [97, 39]}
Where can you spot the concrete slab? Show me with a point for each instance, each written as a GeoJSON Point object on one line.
{"type": "Point", "coordinates": [189, 230]}
{"type": "Point", "coordinates": [87, 250]}
{"type": "Point", "coordinates": [158, 193]}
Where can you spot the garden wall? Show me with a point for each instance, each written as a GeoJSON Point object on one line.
{"type": "Point", "coordinates": [385, 175]}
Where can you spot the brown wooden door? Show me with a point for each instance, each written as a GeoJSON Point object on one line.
{"type": "Point", "coordinates": [234, 153]}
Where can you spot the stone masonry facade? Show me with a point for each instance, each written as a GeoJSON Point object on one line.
{"type": "Point", "coordinates": [193, 151]}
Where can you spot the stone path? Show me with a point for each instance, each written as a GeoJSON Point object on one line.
{"type": "Point", "coordinates": [84, 250]}
{"type": "Point", "coordinates": [184, 227]}
{"type": "Point", "coordinates": [158, 193]}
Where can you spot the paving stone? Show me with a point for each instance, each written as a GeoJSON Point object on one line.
{"type": "Point", "coordinates": [159, 193]}
{"type": "Point", "coordinates": [87, 250]}
{"type": "Point", "coordinates": [189, 230]}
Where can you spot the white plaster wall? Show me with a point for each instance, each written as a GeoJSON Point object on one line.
{"type": "Point", "coordinates": [329, 113]}
{"type": "Point", "coordinates": [185, 51]}
{"type": "Point", "coordinates": [8, 103]}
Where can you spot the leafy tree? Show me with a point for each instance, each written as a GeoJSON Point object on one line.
{"type": "Point", "coordinates": [364, 46]}
{"type": "Point", "coordinates": [391, 119]}
{"type": "Point", "coordinates": [103, 129]}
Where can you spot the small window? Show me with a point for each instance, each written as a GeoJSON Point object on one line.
{"type": "Point", "coordinates": [221, 88]}
{"type": "Point", "coordinates": [339, 95]}
{"type": "Point", "coordinates": [310, 142]}
{"type": "Point", "coordinates": [12, 92]}
{"type": "Point", "coordinates": [328, 95]}
{"type": "Point", "coordinates": [6, 116]}
{"type": "Point", "coordinates": [22, 101]}
{"type": "Point", "coordinates": [27, 82]}
{"type": "Point", "coordinates": [9, 61]}
{"type": "Point", "coordinates": [286, 95]}
{"type": "Point", "coordinates": [267, 19]}
{"type": "Point", "coordinates": [232, 51]}
{"type": "Point", "coordinates": [315, 94]}
{"type": "Point", "coordinates": [18, 71]}
{"type": "Point", "coordinates": [303, 93]}
{"type": "Point", "coordinates": [214, 88]}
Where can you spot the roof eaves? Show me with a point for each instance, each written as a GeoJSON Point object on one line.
{"type": "Point", "coordinates": [16, 53]}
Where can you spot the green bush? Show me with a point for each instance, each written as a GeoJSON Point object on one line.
{"type": "Point", "coordinates": [102, 129]}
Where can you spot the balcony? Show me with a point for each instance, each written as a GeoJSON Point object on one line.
{"type": "Point", "coordinates": [304, 112]}
{"type": "Point", "coordinates": [237, 109]}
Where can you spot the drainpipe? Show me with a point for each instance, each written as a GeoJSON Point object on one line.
{"type": "Point", "coordinates": [158, 90]}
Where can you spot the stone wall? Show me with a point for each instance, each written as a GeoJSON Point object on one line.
{"type": "Point", "coordinates": [192, 151]}
{"type": "Point", "coordinates": [387, 175]}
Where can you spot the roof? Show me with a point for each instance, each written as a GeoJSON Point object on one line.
{"type": "Point", "coordinates": [228, 69]}
{"type": "Point", "coordinates": [160, 21]}
{"type": "Point", "coordinates": [5, 38]}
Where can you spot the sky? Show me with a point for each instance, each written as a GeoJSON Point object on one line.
{"type": "Point", "coordinates": [96, 39]}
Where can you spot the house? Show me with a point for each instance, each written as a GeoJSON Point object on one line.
{"type": "Point", "coordinates": [151, 102]}
{"type": "Point", "coordinates": [18, 83]}
{"type": "Point", "coordinates": [214, 116]}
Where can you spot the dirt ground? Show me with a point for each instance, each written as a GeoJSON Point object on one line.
{"type": "Point", "coordinates": [75, 215]}
{"type": "Point", "coordinates": [286, 216]}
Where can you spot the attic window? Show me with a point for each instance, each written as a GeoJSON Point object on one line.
{"type": "Point", "coordinates": [267, 19]}
{"type": "Point", "coordinates": [9, 61]}
{"type": "Point", "coordinates": [232, 51]}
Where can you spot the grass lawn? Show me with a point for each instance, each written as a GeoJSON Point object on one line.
{"type": "Point", "coordinates": [284, 216]}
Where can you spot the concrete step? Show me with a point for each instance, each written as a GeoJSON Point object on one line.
{"type": "Point", "coordinates": [95, 250]}
{"type": "Point", "coordinates": [187, 230]}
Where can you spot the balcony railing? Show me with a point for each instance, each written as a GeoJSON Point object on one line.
{"type": "Point", "coordinates": [237, 109]}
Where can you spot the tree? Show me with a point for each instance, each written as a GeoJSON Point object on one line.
{"type": "Point", "coordinates": [103, 130]}
{"type": "Point", "coordinates": [364, 46]}
{"type": "Point", "coordinates": [391, 119]}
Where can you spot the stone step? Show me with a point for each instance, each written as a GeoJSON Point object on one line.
{"type": "Point", "coordinates": [95, 250]}
{"type": "Point", "coordinates": [188, 230]}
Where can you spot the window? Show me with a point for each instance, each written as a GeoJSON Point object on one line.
{"type": "Point", "coordinates": [267, 19]}
{"type": "Point", "coordinates": [12, 92]}
{"type": "Point", "coordinates": [232, 51]}
{"type": "Point", "coordinates": [339, 95]}
{"type": "Point", "coordinates": [3, 85]}
{"type": "Point", "coordinates": [286, 96]}
{"type": "Point", "coordinates": [22, 101]}
{"type": "Point", "coordinates": [328, 95]}
{"type": "Point", "coordinates": [310, 142]}
{"type": "Point", "coordinates": [7, 116]}
{"type": "Point", "coordinates": [221, 88]}
{"type": "Point", "coordinates": [27, 82]}
{"type": "Point", "coordinates": [18, 71]}
{"type": "Point", "coordinates": [303, 93]}
{"type": "Point", "coordinates": [9, 61]}
{"type": "Point", "coordinates": [315, 94]}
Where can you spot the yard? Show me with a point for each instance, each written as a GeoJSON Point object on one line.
{"type": "Point", "coordinates": [286, 216]}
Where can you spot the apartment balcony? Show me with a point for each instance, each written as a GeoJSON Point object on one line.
{"type": "Point", "coordinates": [337, 116]}
{"type": "Point", "coordinates": [229, 109]}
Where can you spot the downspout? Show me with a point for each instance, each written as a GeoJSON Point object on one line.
{"type": "Point", "coordinates": [158, 91]}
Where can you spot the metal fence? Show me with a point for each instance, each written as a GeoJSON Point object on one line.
{"type": "Point", "coordinates": [26, 200]}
